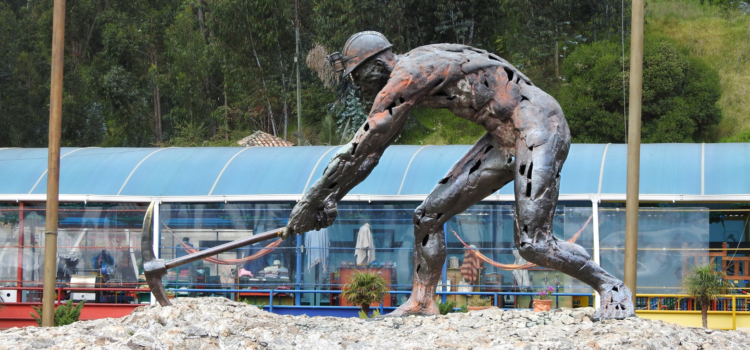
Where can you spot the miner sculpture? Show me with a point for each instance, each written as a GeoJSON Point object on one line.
{"type": "Point", "coordinates": [527, 140]}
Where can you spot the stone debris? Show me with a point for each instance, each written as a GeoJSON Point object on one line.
{"type": "Point", "coordinates": [218, 323]}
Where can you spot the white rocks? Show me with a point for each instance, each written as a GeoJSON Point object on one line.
{"type": "Point", "coordinates": [217, 323]}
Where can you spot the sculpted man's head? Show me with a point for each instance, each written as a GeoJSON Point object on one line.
{"type": "Point", "coordinates": [367, 56]}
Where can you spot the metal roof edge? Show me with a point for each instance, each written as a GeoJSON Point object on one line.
{"type": "Point", "coordinates": [615, 197]}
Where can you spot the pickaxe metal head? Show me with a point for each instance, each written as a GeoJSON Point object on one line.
{"type": "Point", "coordinates": [153, 268]}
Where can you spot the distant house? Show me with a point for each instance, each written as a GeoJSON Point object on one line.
{"type": "Point", "coordinates": [262, 139]}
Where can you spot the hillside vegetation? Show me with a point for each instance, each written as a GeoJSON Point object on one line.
{"type": "Point", "coordinates": [205, 73]}
{"type": "Point", "coordinates": [723, 40]}
{"type": "Point", "coordinates": [707, 35]}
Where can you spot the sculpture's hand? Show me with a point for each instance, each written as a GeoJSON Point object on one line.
{"type": "Point", "coordinates": [307, 217]}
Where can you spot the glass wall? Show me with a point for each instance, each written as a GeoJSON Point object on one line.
{"type": "Point", "coordinates": [670, 240]}
{"type": "Point", "coordinates": [489, 229]}
{"type": "Point", "coordinates": [378, 237]}
{"type": "Point", "coordinates": [189, 227]}
{"type": "Point", "coordinates": [98, 246]}
{"type": "Point", "coordinates": [374, 236]}
{"type": "Point", "coordinates": [10, 252]}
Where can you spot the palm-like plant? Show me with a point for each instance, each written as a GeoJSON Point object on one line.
{"type": "Point", "coordinates": [704, 284]}
{"type": "Point", "coordinates": [365, 288]}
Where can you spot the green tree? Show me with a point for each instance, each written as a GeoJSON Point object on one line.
{"type": "Point", "coordinates": [679, 93]}
{"type": "Point", "coordinates": [727, 6]}
{"type": "Point", "coordinates": [24, 73]}
{"type": "Point", "coordinates": [705, 283]}
{"type": "Point", "coordinates": [537, 35]}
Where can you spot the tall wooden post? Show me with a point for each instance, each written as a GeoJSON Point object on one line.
{"type": "Point", "coordinates": [634, 146]}
{"type": "Point", "coordinates": [21, 225]}
{"type": "Point", "coordinates": [300, 135]}
{"type": "Point", "coordinates": [53, 164]}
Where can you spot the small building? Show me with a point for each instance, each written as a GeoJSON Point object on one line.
{"type": "Point", "coordinates": [262, 139]}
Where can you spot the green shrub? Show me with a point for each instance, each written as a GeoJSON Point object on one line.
{"type": "Point", "coordinates": [365, 288]}
{"type": "Point", "coordinates": [446, 308]}
{"type": "Point", "coordinates": [65, 314]}
{"type": "Point", "coordinates": [680, 93]}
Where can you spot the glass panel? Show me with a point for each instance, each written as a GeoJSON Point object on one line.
{"type": "Point", "coordinates": [730, 234]}
{"type": "Point", "coordinates": [392, 232]}
{"type": "Point", "coordinates": [9, 251]}
{"type": "Point", "coordinates": [489, 228]}
{"type": "Point", "coordinates": [187, 227]}
{"type": "Point", "coordinates": [670, 240]}
{"type": "Point", "coordinates": [98, 246]}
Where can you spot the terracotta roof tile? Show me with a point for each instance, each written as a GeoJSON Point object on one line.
{"type": "Point", "coordinates": [262, 139]}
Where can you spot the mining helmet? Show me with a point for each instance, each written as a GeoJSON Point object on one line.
{"type": "Point", "coordinates": [357, 50]}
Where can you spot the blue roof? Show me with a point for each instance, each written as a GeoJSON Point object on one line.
{"type": "Point", "coordinates": [691, 169]}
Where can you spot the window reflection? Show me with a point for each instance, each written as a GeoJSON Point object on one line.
{"type": "Point", "coordinates": [667, 238]}
{"type": "Point", "coordinates": [189, 227]}
{"type": "Point", "coordinates": [99, 247]}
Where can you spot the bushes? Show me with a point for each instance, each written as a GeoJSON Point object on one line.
{"type": "Point", "coordinates": [65, 314]}
{"type": "Point", "coordinates": [680, 93]}
{"type": "Point", "coordinates": [446, 308]}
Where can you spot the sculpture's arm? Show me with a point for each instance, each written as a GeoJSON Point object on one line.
{"type": "Point", "coordinates": [354, 162]}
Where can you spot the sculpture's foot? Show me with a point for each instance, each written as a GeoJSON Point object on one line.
{"type": "Point", "coordinates": [616, 303]}
{"type": "Point", "coordinates": [413, 307]}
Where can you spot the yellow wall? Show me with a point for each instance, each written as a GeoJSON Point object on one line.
{"type": "Point", "coordinates": [716, 319]}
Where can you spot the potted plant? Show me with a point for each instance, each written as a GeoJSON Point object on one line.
{"type": "Point", "coordinates": [476, 304]}
{"type": "Point", "coordinates": [704, 284]}
{"type": "Point", "coordinates": [544, 303]}
{"type": "Point", "coordinates": [170, 294]}
{"type": "Point", "coordinates": [365, 288]}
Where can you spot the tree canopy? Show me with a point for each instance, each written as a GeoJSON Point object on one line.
{"type": "Point", "coordinates": [679, 93]}
{"type": "Point", "coordinates": [194, 72]}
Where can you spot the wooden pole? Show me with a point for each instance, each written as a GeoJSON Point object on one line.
{"type": "Point", "coordinates": [21, 225]}
{"type": "Point", "coordinates": [53, 164]}
{"type": "Point", "coordinates": [300, 136]}
{"type": "Point", "coordinates": [634, 147]}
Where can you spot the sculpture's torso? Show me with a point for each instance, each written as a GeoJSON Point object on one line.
{"type": "Point", "coordinates": [471, 83]}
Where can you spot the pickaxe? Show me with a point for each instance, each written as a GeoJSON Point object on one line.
{"type": "Point", "coordinates": [155, 269]}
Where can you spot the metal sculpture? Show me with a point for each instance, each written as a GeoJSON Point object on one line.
{"type": "Point", "coordinates": [527, 140]}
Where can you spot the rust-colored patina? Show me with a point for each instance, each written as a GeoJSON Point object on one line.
{"type": "Point", "coordinates": [527, 140]}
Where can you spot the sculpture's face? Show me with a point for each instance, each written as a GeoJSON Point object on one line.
{"type": "Point", "coordinates": [371, 76]}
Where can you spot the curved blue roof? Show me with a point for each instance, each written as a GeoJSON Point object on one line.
{"type": "Point", "coordinates": [672, 169]}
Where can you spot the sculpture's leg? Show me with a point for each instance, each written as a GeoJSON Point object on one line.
{"type": "Point", "coordinates": [482, 171]}
{"type": "Point", "coordinates": [541, 149]}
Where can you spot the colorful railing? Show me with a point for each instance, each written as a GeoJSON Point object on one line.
{"type": "Point", "coordinates": [725, 312]}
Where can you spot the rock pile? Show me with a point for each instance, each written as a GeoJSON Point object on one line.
{"type": "Point", "coordinates": [217, 323]}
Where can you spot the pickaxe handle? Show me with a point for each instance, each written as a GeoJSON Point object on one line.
{"type": "Point", "coordinates": [154, 269]}
{"type": "Point", "coordinates": [186, 259]}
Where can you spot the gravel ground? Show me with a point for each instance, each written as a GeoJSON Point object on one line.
{"type": "Point", "coordinates": [218, 323]}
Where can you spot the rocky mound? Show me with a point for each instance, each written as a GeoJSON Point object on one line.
{"type": "Point", "coordinates": [218, 323]}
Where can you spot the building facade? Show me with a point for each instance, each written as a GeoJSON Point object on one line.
{"type": "Point", "coordinates": [695, 207]}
